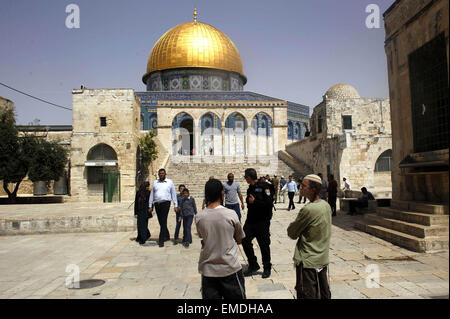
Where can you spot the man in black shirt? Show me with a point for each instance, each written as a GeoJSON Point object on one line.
{"type": "Point", "coordinates": [257, 225]}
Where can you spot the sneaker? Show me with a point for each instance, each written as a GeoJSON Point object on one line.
{"type": "Point", "coordinates": [251, 270]}
{"type": "Point", "coordinates": [266, 273]}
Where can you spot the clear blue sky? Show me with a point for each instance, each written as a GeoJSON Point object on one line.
{"type": "Point", "coordinates": [293, 50]}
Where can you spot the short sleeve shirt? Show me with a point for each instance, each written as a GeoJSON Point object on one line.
{"type": "Point", "coordinates": [219, 229]}
{"type": "Point", "coordinates": [231, 193]}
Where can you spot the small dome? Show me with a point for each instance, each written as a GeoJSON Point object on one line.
{"type": "Point", "coordinates": [342, 91]}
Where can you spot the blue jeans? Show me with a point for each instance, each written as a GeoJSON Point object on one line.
{"type": "Point", "coordinates": [236, 208]}
{"type": "Point", "coordinates": [177, 227]}
{"type": "Point", "coordinates": [187, 223]}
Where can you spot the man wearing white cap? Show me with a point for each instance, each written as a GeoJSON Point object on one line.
{"type": "Point", "coordinates": [312, 228]}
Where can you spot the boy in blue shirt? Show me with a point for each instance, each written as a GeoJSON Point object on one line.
{"type": "Point", "coordinates": [188, 210]}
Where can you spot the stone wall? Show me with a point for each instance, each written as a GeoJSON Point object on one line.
{"type": "Point", "coordinates": [122, 132]}
{"type": "Point", "coordinates": [348, 153]}
{"type": "Point", "coordinates": [409, 25]}
{"type": "Point", "coordinates": [6, 104]}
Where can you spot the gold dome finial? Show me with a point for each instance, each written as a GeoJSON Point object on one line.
{"type": "Point", "coordinates": [195, 14]}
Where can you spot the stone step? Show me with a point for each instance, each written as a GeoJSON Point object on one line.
{"type": "Point", "coordinates": [110, 222]}
{"type": "Point", "coordinates": [422, 207]}
{"type": "Point", "coordinates": [417, 230]}
{"type": "Point", "coordinates": [413, 217]}
{"type": "Point", "coordinates": [429, 244]}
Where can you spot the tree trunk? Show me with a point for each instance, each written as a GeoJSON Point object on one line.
{"type": "Point", "coordinates": [12, 196]}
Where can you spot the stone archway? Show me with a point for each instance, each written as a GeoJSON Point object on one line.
{"type": "Point", "coordinates": [103, 176]}
{"type": "Point", "coordinates": [211, 137]}
{"type": "Point", "coordinates": [235, 134]}
{"type": "Point", "coordinates": [183, 135]}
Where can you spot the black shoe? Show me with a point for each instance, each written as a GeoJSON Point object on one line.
{"type": "Point", "coordinates": [161, 244]}
{"type": "Point", "coordinates": [175, 241]}
{"type": "Point", "coordinates": [251, 270]}
{"type": "Point", "coordinates": [266, 273]}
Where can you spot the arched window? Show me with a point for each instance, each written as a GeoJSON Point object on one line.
{"type": "Point", "coordinates": [290, 131]}
{"type": "Point", "coordinates": [298, 131]}
{"type": "Point", "coordinates": [99, 153]}
{"type": "Point", "coordinates": [384, 162]}
{"type": "Point", "coordinates": [154, 123]}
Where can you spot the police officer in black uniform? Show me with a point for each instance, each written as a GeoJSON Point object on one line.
{"type": "Point", "coordinates": [257, 225]}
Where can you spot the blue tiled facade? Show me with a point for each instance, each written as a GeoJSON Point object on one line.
{"type": "Point", "coordinates": [297, 114]}
{"type": "Point", "coordinates": [298, 120]}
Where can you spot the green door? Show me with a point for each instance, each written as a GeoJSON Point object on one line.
{"type": "Point", "coordinates": [111, 186]}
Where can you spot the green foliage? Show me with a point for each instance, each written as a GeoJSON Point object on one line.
{"type": "Point", "coordinates": [40, 159]}
{"type": "Point", "coordinates": [13, 163]}
{"type": "Point", "coordinates": [148, 148]}
{"type": "Point", "coordinates": [49, 161]}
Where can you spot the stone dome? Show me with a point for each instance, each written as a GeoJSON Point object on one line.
{"type": "Point", "coordinates": [194, 45]}
{"type": "Point", "coordinates": [342, 91]}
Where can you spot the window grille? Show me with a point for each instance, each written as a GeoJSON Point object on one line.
{"type": "Point", "coordinates": [347, 122]}
{"type": "Point", "coordinates": [429, 95]}
{"type": "Point", "coordinates": [384, 162]}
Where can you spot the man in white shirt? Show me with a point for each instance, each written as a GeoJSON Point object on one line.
{"type": "Point", "coordinates": [163, 192]}
{"type": "Point", "coordinates": [292, 189]}
{"type": "Point", "coordinates": [347, 186]}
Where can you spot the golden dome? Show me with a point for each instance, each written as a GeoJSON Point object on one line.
{"type": "Point", "coordinates": [194, 44]}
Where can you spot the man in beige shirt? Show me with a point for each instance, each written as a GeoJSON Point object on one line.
{"type": "Point", "coordinates": [221, 233]}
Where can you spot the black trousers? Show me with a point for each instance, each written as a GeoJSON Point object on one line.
{"type": "Point", "coordinates": [312, 284]}
{"type": "Point", "coordinates": [162, 211]}
{"type": "Point", "coordinates": [332, 202]}
{"type": "Point", "coordinates": [230, 287]}
{"type": "Point", "coordinates": [142, 227]}
{"type": "Point", "coordinates": [260, 231]}
{"type": "Point", "coordinates": [291, 200]}
{"type": "Point", "coordinates": [354, 203]}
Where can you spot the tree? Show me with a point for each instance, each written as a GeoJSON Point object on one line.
{"type": "Point", "coordinates": [49, 161]}
{"type": "Point", "coordinates": [148, 147]}
{"type": "Point", "coordinates": [149, 152]}
{"type": "Point", "coordinates": [13, 165]}
{"type": "Point", "coordinates": [28, 154]}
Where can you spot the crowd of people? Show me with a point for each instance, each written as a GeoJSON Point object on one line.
{"type": "Point", "coordinates": [219, 226]}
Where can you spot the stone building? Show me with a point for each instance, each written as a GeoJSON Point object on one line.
{"type": "Point", "coordinates": [417, 52]}
{"type": "Point", "coordinates": [196, 104]}
{"type": "Point", "coordinates": [350, 137]}
{"type": "Point", "coordinates": [5, 104]}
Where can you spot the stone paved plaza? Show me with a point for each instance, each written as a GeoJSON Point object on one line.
{"type": "Point", "coordinates": [34, 266]}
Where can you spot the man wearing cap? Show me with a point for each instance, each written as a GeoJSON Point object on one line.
{"type": "Point", "coordinates": [312, 229]}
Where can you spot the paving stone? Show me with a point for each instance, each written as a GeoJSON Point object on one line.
{"type": "Point", "coordinates": [133, 271]}
{"type": "Point", "coordinates": [345, 292]}
{"type": "Point", "coordinates": [377, 293]}
{"type": "Point", "coordinates": [271, 287]}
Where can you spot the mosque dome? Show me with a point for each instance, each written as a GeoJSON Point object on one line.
{"type": "Point", "coordinates": [342, 91]}
{"type": "Point", "coordinates": [194, 45]}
